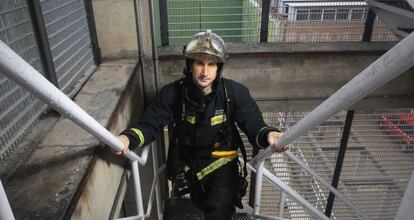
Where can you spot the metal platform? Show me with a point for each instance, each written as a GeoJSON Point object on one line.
{"type": "Point", "coordinates": [183, 209]}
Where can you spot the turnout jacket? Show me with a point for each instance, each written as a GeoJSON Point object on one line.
{"type": "Point", "coordinates": [201, 131]}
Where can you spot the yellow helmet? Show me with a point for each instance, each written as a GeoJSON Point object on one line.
{"type": "Point", "coordinates": [206, 43]}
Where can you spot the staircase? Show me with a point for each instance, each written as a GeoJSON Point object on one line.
{"type": "Point", "coordinates": [183, 209]}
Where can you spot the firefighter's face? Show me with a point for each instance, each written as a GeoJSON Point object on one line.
{"type": "Point", "coordinates": [204, 72]}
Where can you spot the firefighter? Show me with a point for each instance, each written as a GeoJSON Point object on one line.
{"type": "Point", "coordinates": [203, 108]}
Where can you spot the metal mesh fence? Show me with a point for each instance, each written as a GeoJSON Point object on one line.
{"type": "Point", "coordinates": [381, 32]}
{"type": "Point", "coordinates": [233, 20]}
{"type": "Point", "coordinates": [321, 21]}
{"type": "Point", "coordinates": [68, 34]}
{"type": "Point", "coordinates": [18, 108]}
{"type": "Point", "coordinates": [70, 44]}
{"type": "Point", "coordinates": [377, 166]}
{"type": "Point", "coordinates": [289, 20]}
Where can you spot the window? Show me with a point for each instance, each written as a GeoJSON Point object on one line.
{"type": "Point", "coordinates": [302, 15]}
{"type": "Point", "coordinates": [342, 14]}
{"type": "Point", "coordinates": [329, 14]}
{"type": "Point", "coordinates": [358, 14]}
{"type": "Point", "coordinates": [315, 14]}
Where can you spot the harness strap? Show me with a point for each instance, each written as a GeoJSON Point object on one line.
{"type": "Point", "coordinates": [235, 134]}
{"type": "Point", "coordinates": [224, 156]}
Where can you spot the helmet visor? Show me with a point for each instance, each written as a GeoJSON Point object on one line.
{"type": "Point", "coordinates": [206, 43]}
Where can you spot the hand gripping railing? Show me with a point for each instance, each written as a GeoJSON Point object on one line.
{"type": "Point", "coordinates": [22, 73]}
{"type": "Point", "coordinates": [154, 187]}
{"type": "Point", "coordinates": [390, 65]}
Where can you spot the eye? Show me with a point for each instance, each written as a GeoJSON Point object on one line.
{"type": "Point", "coordinates": [198, 63]}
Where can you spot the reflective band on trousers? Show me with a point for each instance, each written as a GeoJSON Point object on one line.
{"type": "Point", "coordinates": [140, 135]}
{"type": "Point", "coordinates": [212, 167]}
{"type": "Point", "coordinates": [230, 154]}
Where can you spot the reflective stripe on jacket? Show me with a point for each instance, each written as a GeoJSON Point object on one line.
{"type": "Point", "coordinates": [200, 125]}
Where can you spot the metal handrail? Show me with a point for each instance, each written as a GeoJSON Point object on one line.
{"type": "Point", "coordinates": [321, 180]}
{"type": "Point", "coordinates": [5, 209]}
{"type": "Point", "coordinates": [154, 188]}
{"type": "Point", "coordinates": [394, 62]}
{"type": "Point", "coordinates": [390, 65]}
{"type": "Point", "coordinates": [260, 172]}
{"type": "Point", "coordinates": [22, 73]}
{"type": "Point", "coordinates": [154, 185]}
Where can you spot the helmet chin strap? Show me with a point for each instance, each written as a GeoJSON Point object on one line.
{"type": "Point", "coordinates": [220, 70]}
{"type": "Point", "coordinates": [187, 68]}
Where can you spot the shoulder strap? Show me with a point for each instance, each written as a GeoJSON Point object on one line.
{"type": "Point", "coordinates": [228, 93]}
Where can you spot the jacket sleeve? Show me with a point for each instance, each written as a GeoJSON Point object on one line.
{"type": "Point", "coordinates": [249, 118]}
{"type": "Point", "coordinates": [156, 116]}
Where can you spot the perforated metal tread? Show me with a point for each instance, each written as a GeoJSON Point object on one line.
{"type": "Point", "coordinates": [183, 209]}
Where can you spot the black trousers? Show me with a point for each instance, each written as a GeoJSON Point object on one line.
{"type": "Point", "coordinates": [217, 194]}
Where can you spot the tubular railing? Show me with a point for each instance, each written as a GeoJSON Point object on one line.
{"type": "Point", "coordinates": [390, 65]}
{"type": "Point", "coordinates": [154, 188]}
{"type": "Point", "coordinates": [17, 69]}
{"type": "Point", "coordinates": [5, 209]}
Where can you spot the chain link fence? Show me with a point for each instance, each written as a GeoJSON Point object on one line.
{"type": "Point", "coordinates": [377, 165]}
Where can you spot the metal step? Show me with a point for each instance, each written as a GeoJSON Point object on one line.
{"type": "Point", "coordinates": [183, 209]}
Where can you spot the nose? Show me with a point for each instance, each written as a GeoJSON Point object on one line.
{"type": "Point", "coordinates": [204, 70]}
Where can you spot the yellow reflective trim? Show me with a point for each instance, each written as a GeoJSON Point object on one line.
{"type": "Point", "coordinates": [140, 135]}
{"type": "Point", "coordinates": [218, 119]}
{"type": "Point", "coordinates": [212, 167]}
{"type": "Point", "coordinates": [230, 154]}
{"type": "Point", "coordinates": [190, 119]}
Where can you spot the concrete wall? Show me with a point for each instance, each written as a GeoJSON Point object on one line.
{"type": "Point", "coordinates": [117, 35]}
{"type": "Point", "coordinates": [297, 77]}
{"type": "Point", "coordinates": [115, 27]}
{"type": "Point", "coordinates": [64, 174]}
{"type": "Point", "coordinates": [100, 194]}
